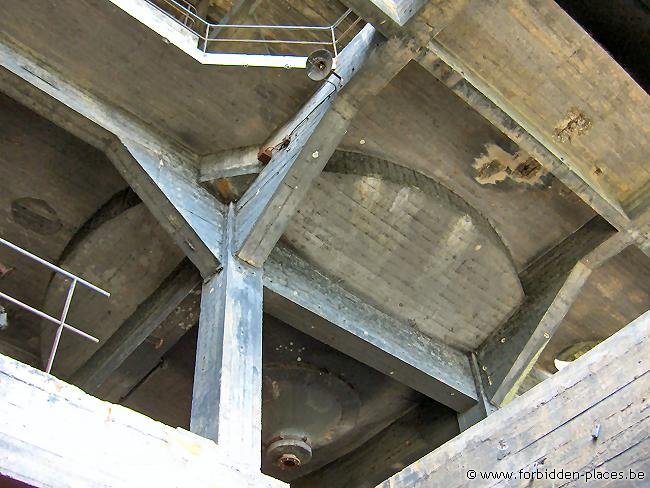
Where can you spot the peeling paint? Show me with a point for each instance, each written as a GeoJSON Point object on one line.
{"type": "Point", "coordinates": [495, 165]}
{"type": "Point", "coordinates": [574, 123]}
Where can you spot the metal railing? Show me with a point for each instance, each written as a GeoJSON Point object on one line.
{"type": "Point", "coordinates": [60, 322]}
{"type": "Point", "coordinates": [186, 15]}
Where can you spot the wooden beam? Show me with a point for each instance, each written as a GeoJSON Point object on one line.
{"type": "Point", "coordinates": [227, 396]}
{"type": "Point", "coordinates": [471, 95]}
{"type": "Point", "coordinates": [54, 434]}
{"type": "Point", "coordinates": [551, 284]}
{"type": "Point", "coordinates": [162, 173]}
{"type": "Point", "coordinates": [265, 209]}
{"type": "Point", "coordinates": [419, 431]}
{"type": "Point", "coordinates": [589, 418]}
{"type": "Point", "coordinates": [146, 318]}
{"type": "Point", "coordinates": [234, 162]}
{"type": "Point", "coordinates": [193, 217]}
{"type": "Point", "coordinates": [483, 407]}
{"type": "Point", "coordinates": [309, 301]}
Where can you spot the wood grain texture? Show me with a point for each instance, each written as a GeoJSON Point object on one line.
{"type": "Point", "coordinates": [135, 330]}
{"type": "Point", "coordinates": [303, 297]}
{"type": "Point", "coordinates": [551, 284]}
{"type": "Point", "coordinates": [550, 427]}
{"type": "Point", "coordinates": [73, 439]}
{"type": "Point", "coordinates": [227, 395]}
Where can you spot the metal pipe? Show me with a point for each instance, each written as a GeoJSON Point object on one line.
{"type": "Point", "coordinates": [272, 41]}
{"type": "Point", "coordinates": [46, 316]}
{"type": "Point", "coordinates": [59, 330]}
{"type": "Point", "coordinates": [20, 250]}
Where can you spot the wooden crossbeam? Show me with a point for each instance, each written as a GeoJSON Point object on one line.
{"type": "Point", "coordinates": [306, 299]}
{"type": "Point", "coordinates": [146, 318]}
{"type": "Point", "coordinates": [551, 285]}
{"type": "Point", "coordinates": [590, 417]}
{"type": "Point", "coordinates": [54, 434]}
{"type": "Point", "coordinates": [470, 94]}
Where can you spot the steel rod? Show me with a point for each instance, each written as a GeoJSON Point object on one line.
{"type": "Point", "coordinates": [54, 267]}
{"type": "Point", "coordinates": [59, 330]}
{"type": "Point", "coordinates": [46, 316]}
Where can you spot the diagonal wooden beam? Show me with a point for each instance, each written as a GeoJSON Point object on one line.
{"type": "Point", "coordinates": [551, 284]}
{"type": "Point", "coordinates": [265, 209]}
{"type": "Point", "coordinates": [146, 318]}
{"type": "Point", "coordinates": [592, 413]}
{"type": "Point", "coordinates": [162, 173]}
{"type": "Point", "coordinates": [191, 215]}
{"type": "Point", "coordinates": [309, 301]}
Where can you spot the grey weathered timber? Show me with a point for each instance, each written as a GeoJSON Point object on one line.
{"type": "Point", "coordinates": [192, 216]}
{"type": "Point", "coordinates": [160, 172]}
{"type": "Point", "coordinates": [73, 439]}
{"type": "Point", "coordinates": [483, 407]}
{"type": "Point", "coordinates": [309, 301]}
{"type": "Point", "coordinates": [235, 162]}
{"type": "Point", "coordinates": [551, 284]}
{"type": "Point", "coordinates": [590, 417]}
{"type": "Point", "coordinates": [470, 94]}
{"type": "Point", "coordinates": [365, 66]}
{"type": "Point", "coordinates": [227, 396]}
{"type": "Point", "coordinates": [419, 431]}
{"type": "Point", "coordinates": [147, 317]}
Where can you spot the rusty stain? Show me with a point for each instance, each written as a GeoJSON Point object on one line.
{"type": "Point", "coordinates": [5, 270]}
{"type": "Point", "coordinates": [495, 165]}
{"type": "Point", "coordinates": [574, 123]}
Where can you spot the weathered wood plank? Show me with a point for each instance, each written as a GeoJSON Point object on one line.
{"type": "Point", "coordinates": [161, 173]}
{"type": "Point", "coordinates": [73, 439]}
{"type": "Point", "coordinates": [551, 427]}
{"type": "Point", "coordinates": [227, 396]}
{"type": "Point", "coordinates": [147, 317]}
{"type": "Point", "coordinates": [419, 431]}
{"type": "Point", "coordinates": [551, 284]}
{"type": "Point", "coordinates": [235, 162]}
{"type": "Point", "coordinates": [191, 215]}
{"type": "Point", "coordinates": [310, 302]}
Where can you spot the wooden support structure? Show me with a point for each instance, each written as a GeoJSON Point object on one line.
{"type": "Point", "coordinates": [52, 434]}
{"type": "Point", "coordinates": [312, 136]}
{"type": "Point", "coordinates": [551, 284]}
{"type": "Point", "coordinates": [589, 420]}
{"type": "Point", "coordinates": [147, 317]}
{"type": "Point", "coordinates": [227, 396]}
{"type": "Point", "coordinates": [307, 300]}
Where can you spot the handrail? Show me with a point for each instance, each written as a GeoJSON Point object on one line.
{"type": "Point", "coordinates": [205, 28]}
{"type": "Point", "coordinates": [61, 322]}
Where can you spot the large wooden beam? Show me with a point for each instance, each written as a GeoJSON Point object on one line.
{"type": "Point", "coordinates": [168, 186]}
{"type": "Point", "coordinates": [52, 434]}
{"type": "Point", "coordinates": [590, 419]}
{"type": "Point", "coordinates": [551, 285]}
{"type": "Point", "coordinates": [314, 133]}
{"type": "Point", "coordinates": [161, 172]}
{"type": "Point", "coordinates": [146, 318]}
{"type": "Point", "coordinates": [227, 396]}
{"type": "Point", "coordinates": [309, 301]}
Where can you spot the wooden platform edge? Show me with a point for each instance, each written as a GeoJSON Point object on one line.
{"type": "Point", "coordinates": [589, 420]}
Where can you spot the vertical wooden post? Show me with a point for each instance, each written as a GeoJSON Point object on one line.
{"type": "Point", "coordinates": [226, 401]}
